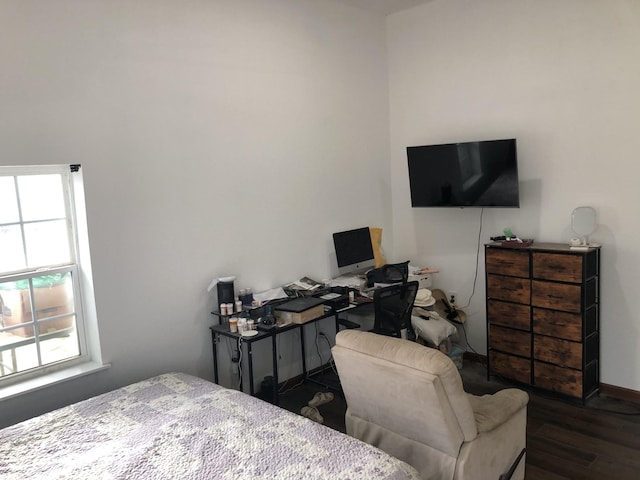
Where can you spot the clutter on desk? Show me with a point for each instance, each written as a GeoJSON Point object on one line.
{"type": "Point", "coordinates": [299, 310]}
{"type": "Point", "coordinates": [268, 319]}
{"type": "Point", "coordinates": [225, 289]}
{"type": "Point", "coordinates": [245, 296]}
{"type": "Point", "coordinates": [270, 295]}
{"type": "Point", "coordinates": [348, 281]}
{"type": "Point", "coordinates": [303, 286]}
{"type": "Point", "coordinates": [422, 270]}
{"type": "Point", "coordinates": [337, 300]}
{"type": "Point", "coordinates": [217, 280]}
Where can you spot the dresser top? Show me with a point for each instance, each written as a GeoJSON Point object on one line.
{"type": "Point", "coordinates": [546, 246]}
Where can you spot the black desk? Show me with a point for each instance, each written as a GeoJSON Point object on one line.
{"type": "Point", "coordinates": [223, 330]}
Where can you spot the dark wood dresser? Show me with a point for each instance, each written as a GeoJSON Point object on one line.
{"type": "Point", "coordinates": [543, 316]}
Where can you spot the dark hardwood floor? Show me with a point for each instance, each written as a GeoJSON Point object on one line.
{"type": "Point", "coordinates": [564, 440]}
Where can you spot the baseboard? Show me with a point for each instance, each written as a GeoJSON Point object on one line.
{"type": "Point", "coordinates": [619, 393]}
{"type": "Point", "coordinates": [475, 357]}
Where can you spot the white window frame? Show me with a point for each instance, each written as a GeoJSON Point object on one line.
{"type": "Point", "coordinates": [89, 357]}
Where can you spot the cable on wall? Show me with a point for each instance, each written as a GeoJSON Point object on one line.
{"type": "Point", "coordinates": [475, 277]}
{"type": "Point", "coordinates": [475, 281]}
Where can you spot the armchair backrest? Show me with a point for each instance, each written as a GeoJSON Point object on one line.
{"type": "Point", "coordinates": [411, 390]}
{"type": "Point", "coordinates": [392, 308]}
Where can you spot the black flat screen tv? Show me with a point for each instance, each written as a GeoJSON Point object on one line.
{"type": "Point", "coordinates": [468, 174]}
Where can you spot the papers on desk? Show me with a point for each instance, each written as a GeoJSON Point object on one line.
{"type": "Point", "coordinates": [273, 294]}
{"type": "Point", "coordinates": [305, 284]}
{"type": "Point", "coordinates": [330, 296]}
{"type": "Point", "coordinates": [354, 281]}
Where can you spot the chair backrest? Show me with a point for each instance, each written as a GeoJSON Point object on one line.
{"type": "Point", "coordinates": [392, 308]}
{"type": "Point", "coordinates": [403, 387]}
{"type": "Point", "coordinates": [389, 273]}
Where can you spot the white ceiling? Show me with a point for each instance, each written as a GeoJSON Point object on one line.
{"type": "Point", "coordinates": [385, 7]}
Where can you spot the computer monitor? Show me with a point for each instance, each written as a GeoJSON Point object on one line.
{"type": "Point", "coordinates": [354, 251]}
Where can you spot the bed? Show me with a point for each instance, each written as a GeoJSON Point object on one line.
{"type": "Point", "coordinates": [176, 426]}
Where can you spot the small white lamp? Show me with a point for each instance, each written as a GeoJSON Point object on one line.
{"type": "Point", "coordinates": [583, 223]}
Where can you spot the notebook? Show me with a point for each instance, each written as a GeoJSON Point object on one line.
{"type": "Point", "coordinates": [300, 304]}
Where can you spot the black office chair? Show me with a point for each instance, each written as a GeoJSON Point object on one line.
{"type": "Point", "coordinates": [398, 274]}
{"type": "Point", "coordinates": [392, 308]}
{"type": "Point", "coordinates": [389, 273]}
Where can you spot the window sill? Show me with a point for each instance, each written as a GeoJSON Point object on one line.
{"type": "Point", "coordinates": [53, 378]}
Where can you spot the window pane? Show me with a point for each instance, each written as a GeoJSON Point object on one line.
{"type": "Point", "coordinates": [55, 322]}
{"type": "Point", "coordinates": [17, 354]}
{"type": "Point", "coordinates": [47, 243]}
{"type": "Point", "coordinates": [58, 344]}
{"type": "Point", "coordinates": [15, 298]}
{"type": "Point", "coordinates": [41, 197]}
{"type": "Point", "coordinates": [52, 296]}
{"type": "Point", "coordinates": [8, 201]}
{"type": "Point", "coordinates": [11, 250]}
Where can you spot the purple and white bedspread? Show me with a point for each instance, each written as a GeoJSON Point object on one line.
{"type": "Point", "coordinates": [176, 426]}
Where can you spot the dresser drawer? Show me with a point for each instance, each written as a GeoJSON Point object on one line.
{"type": "Point", "coordinates": [556, 296]}
{"type": "Point", "coordinates": [558, 379]}
{"type": "Point", "coordinates": [507, 262]}
{"type": "Point", "coordinates": [510, 341]}
{"type": "Point", "coordinates": [509, 314]}
{"type": "Point", "coordinates": [510, 289]}
{"type": "Point", "coordinates": [557, 351]}
{"type": "Point", "coordinates": [509, 366]}
{"type": "Point", "coordinates": [560, 267]}
{"type": "Point", "coordinates": [557, 324]}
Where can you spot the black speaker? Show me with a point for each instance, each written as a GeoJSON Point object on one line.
{"type": "Point", "coordinates": [225, 292]}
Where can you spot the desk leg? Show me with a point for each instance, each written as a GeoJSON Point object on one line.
{"type": "Point", "coordinates": [250, 353]}
{"type": "Point", "coordinates": [304, 355]}
{"type": "Point", "coordinates": [274, 347]}
{"type": "Point", "coordinates": [239, 365]}
{"type": "Point", "coordinates": [214, 342]}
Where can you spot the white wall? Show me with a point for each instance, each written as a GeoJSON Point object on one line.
{"type": "Point", "coordinates": [561, 77]}
{"type": "Point", "coordinates": [222, 137]}
{"type": "Point", "coordinates": [215, 137]}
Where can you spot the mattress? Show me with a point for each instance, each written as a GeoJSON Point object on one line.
{"type": "Point", "coordinates": [176, 426]}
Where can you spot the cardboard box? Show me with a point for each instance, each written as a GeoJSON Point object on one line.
{"type": "Point", "coordinates": [424, 280]}
{"type": "Point", "coordinates": [49, 302]}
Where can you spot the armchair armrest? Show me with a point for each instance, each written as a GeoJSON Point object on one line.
{"type": "Point", "coordinates": [508, 474]}
{"type": "Point", "coordinates": [491, 411]}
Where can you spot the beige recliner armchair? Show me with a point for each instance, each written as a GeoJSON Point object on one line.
{"type": "Point", "coordinates": [408, 400]}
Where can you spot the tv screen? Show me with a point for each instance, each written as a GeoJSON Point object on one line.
{"type": "Point", "coordinates": [469, 174]}
{"type": "Point", "coordinates": [354, 250]}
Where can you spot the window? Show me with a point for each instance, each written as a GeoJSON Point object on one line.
{"type": "Point", "coordinates": [41, 321]}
